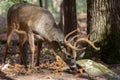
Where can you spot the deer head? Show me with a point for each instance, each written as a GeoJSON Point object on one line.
{"type": "Point", "coordinates": [74, 42]}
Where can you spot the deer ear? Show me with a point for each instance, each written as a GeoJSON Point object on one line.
{"type": "Point", "coordinates": [61, 43]}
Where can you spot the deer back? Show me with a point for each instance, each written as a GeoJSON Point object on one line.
{"type": "Point", "coordinates": [35, 19]}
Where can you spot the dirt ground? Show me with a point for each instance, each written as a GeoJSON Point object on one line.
{"type": "Point", "coordinates": [48, 75]}
{"type": "Point", "coordinates": [44, 73]}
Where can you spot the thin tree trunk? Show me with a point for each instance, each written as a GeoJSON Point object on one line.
{"type": "Point", "coordinates": [61, 22]}
{"type": "Point", "coordinates": [46, 4]}
{"type": "Point", "coordinates": [70, 21]}
{"type": "Point", "coordinates": [40, 3]}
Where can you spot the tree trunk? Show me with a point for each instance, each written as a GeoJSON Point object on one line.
{"type": "Point", "coordinates": [70, 21]}
{"type": "Point", "coordinates": [103, 18]}
{"type": "Point", "coordinates": [40, 3]}
{"type": "Point", "coordinates": [46, 4]}
{"type": "Point", "coordinates": [61, 22]}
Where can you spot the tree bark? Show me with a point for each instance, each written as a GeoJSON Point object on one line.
{"type": "Point", "coordinates": [103, 18]}
{"type": "Point", "coordinates": [40, 3]}
{"type": "Point", "coordinates": [46, 4]}
{"type": "Point", "coordinates": [61, 22]}
{"type": "Point", "coordinates": [70, 21]}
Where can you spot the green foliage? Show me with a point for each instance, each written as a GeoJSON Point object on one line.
{"type": "Point", "coordinates": [16, 1]}
{"type": "Point", "coordinates": [51, 7]}
{"type": "Point", "coordinates": [3, 29]}
{"type": "Point", "coordinates": [81, 6]}
{"type": "Point", "coordinates": [4, 5]}
{"type": "Point", "coordinates": [2, 41]}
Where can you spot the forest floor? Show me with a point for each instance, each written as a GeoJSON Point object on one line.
{"type": "Point", "coordinates": [47, 72]}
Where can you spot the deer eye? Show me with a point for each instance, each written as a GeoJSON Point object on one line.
{"type": "Point", "coordinates": [68, 56]}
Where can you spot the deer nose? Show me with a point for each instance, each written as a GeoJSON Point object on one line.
{"type": "Point", "coordinates": [73, 67]}
{"type": "Point", "coordinates": [73, 64]}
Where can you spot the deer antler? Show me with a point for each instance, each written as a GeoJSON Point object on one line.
{"type": "Point", "coordinates": [68, 43]}
{"type": "Point", "coordinates": [78, 40]}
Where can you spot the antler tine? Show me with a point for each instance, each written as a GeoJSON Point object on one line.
{"type": "Point", "coordinates": [68, 42]}
{"type": "Point", "coordinates": [73, 38]}
{"type": "Point", "coordinates": [95, 41]}
{"type": "Point", "coordinates": [69, 34]}
{"type": "Point", "coordinates": [74, 46]}
{"type": "Point", "coordinates": [88, 41]}
{"type": "Point", "coordinates": [90, 34]}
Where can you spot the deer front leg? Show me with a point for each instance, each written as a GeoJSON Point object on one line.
{"type": "Point", "coordinates": [32, 47]}
{"type": "Point", "coordinates": [39, 49]}
{"type": "Point", "coordinates": [9, 35]}
{"type": "Point", "coordinates": [22, 39]}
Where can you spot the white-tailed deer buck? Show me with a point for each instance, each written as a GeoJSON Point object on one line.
{"type": "Point", "coordinates": [33, 22]}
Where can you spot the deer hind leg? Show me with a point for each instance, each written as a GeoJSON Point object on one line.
{"type": "Point", "coordinates": [39, 49]}
{"type": "Point", "coordinates": [22, 39]}
{"type": "Point", "coordinates": [9, 36]}
{"type": "Point", "coordinates": [32, 46]}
